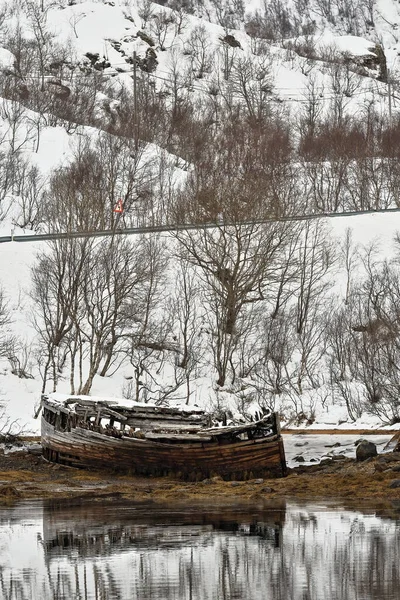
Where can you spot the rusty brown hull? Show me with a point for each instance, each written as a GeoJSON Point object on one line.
{"type": "Point", "coordinates": [85, 448]}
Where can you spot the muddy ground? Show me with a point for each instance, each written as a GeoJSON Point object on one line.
{"type": "Point", "coordinates": [27, 476]}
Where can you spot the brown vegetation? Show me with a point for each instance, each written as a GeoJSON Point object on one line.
{"type": "Point", "coordinates": [23, 476]}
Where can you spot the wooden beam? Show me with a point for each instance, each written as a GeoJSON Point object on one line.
{"type": "Point", "coordinates": [182, 437]}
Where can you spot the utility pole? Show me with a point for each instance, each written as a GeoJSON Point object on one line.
{"type": "Point", "coordinates": [135, 104]}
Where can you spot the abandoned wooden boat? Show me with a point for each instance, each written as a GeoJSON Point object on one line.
{"type": "Point", "coordinates": [155, 440]}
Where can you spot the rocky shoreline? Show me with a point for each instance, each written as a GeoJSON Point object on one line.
{"type": "Point", "coordinates": [25, 475]}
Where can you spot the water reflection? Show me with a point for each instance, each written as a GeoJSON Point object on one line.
{"type": "Point", "coordinates": [118, 552]}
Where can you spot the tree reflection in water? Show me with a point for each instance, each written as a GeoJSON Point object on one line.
{"type": "Point", "coordinates": [123, 552]}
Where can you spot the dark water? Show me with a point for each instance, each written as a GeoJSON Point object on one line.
{"type": "Point", "coordinates": [119, 551]}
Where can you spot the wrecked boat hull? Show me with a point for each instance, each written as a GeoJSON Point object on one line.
{"type": "Point", "coordinates": [243, 459]}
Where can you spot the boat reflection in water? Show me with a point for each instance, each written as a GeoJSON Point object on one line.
{"type": "Point", "coordinates": [111, 551]}
{"type": "Point", "coordinates": [114, 530]}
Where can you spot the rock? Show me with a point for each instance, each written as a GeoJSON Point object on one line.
{"type": "Point", "coordinates": [146, 38]}
{"type": "Point", "coordinates": [379, 63]}
{"type": "Point", "coordinates": [231, 41]}
{"type": "Point", "coordinates": [395, 483]}
{"type": "Point", "coordinates": [325, 461]}
{"type": "Point", "coordinates": [336, 445]}
{"type": "Point", "coordinates": [149, 62]}
{"type": "Point", "coordinates": [235, 483]}
{"type": "Point", "coordinates": [396, 468]}
{"type": "Point", "coordinates": [365, 450]}
{"type": "Point", "coordinates": [257, 481]}
{"type": "Point", "coordinates": [35, 449]}
{"type": "Point", "coordinates": [300, 444]}
{"type": "Point", "coordinates": [267, 490]}
{"type": "Point", "coordinates": [299, 458]}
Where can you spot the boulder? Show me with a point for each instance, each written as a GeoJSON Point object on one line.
{"type": "Point", "coordinates": [365, 450]}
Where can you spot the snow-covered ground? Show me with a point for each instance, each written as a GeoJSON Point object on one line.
{"type": "Point", "coordinates": [308, 449]}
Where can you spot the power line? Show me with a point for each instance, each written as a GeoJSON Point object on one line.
{"type": "Point", "coordinates": [40, 237]}
{"type": "Point", "coordinates": [204, 89]}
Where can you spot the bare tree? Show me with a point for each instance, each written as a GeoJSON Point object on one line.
{"type": "Point", "coordinates": [180, 9]}
{"type": "Point", "coordinates": [364, 342]}
{"type": "Point", "coordinates": [117, 271]}
{"type": "Point", "coordinates": [145, 11]}
{"type": "Point", "coordinates": [312, 108]}
{"type": "Point", "coordinates": [201, 53]}
{"type": "Point", "coordinates": [149, 338]}
{"type": "Point", "coordinates": [235, 263]}
{"type": "Point", "coordinates": [30, 188]}
{"type": "Point", "coordinates": [57, 280]}
{"type": "Point", "coordinates": [5, 319]}
{"type": "Point", "coordinates": [344, 83]}
{"type": "Point", "coordinates": [340, 362]}
{"type": "Point", "coordinates": [316, 259]}
{"type": "Point", "coordinates": [161, 26]}
{"type": "Point", "coordinates": [349, 254]}
{"type": "Point", "coordinates": [92, 298]}
{"type": "Point", "coordinates": [252, 81]}
{"type": "Point", "coordinates": [271, 376]}
{"type": "Point", "coordinates": [185, 308]}
{"type": "Point", "coordinates": [176, 85]}
{"type": "Point", "coordinates": [83, 195]}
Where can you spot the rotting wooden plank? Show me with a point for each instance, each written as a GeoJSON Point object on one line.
{"type": "Point", "coordinates": [104, 411]}
{"type": "Point", "coordinates": [89, 402]}
{"type": "Point", "coordinates": [239, 428]}
{"type": "Point", "coordinates": [159, 425]}
{"type": "Point", "coordinates": [190, 437]}
{"type": "Point", "coordinates": [137, 420]}
{"type": "Point", "coordinates": [113, 413]}
{"type": "Point", "coordinates": [57, 409]}
{"type": "Point", "coordinates": [162, 411]}
{"type": "Point", "coordinates": [165, 418]}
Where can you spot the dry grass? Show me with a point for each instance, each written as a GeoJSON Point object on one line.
{"type": "Point", "coordinates": [15, 476]}
{"type": "Point", "coordinates": [339, 480]}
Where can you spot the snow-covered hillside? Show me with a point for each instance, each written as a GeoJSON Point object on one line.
{"type": "Point", "coordinates": [237, 114]}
